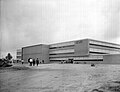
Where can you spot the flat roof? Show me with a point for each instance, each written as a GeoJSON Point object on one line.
{"type": "Point", "coordinates": [35, 45]}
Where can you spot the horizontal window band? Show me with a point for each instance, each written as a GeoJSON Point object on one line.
{"type": "Point", "coordinates": [97, 52]}
{"type": "Point", "coordinates": [90, 60]}
{"type": "Point", "coordinates": [62, 47]}
{"type": "Point", "coordinates": [103, 46]}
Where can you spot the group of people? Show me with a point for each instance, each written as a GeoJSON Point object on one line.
{"type": "Point", "coordinates": [33, 61]}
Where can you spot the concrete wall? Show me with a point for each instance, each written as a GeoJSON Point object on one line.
{"type": "Point", "coordinates": [36, 51]}
{"type": "Point", "coordinates": [111, 59]}
{"type": "Point", "coordinates": [81, 48]}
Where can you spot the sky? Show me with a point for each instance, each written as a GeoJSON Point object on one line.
{"type": "Point", "coordinates": [28, 22]}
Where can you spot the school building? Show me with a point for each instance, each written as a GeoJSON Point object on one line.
{"type": "Point", "coordinates": [82, 51]}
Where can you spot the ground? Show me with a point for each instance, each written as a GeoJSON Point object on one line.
{"type": "Point", "coordinates": [60, 78]}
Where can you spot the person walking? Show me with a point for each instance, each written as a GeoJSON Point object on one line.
{"type": "Point", "coordinates": [22, 61]}
{"type": "Point", "coordinates": [37, 61]}
{"type": "Point", "coordinates": [43, 61]}
{"type": "Point", "coordinates": [33, 62]}
{"type": "Point", "coordinates": [29, 61]}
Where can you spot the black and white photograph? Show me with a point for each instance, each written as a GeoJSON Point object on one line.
{"type": "Point", "coordinates": [59, 45]}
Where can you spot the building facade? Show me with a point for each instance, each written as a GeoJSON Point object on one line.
{"type": "Point", "coordinates": [82, 51]}
{"type": "Point", "coordinates": [19, 54]}
{"type": "Point", "coordinates": [36, 51]}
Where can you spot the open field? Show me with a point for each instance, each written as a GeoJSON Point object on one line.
{"type": "Point", "coordinates": [60, 78]}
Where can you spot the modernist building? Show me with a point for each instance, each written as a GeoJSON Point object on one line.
{"type": "Point", "coordinates": [82, 51]}
{"type": "Point", "coordinates": [19, 54]}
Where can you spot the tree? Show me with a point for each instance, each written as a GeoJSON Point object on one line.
{"type": "Point", "coordinates": [9, 57]}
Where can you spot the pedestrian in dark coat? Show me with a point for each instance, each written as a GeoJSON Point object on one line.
{"type": "Point", "coordinates": [29, 61]}
{"type": "Point", "coordinates": [33, 62]}
{"type": "Point", "coordinates": [22, 61]}
{"type": "Point", "coordinates": [43, 61]}
{"type": "Point", "coordinates": [37, 61]}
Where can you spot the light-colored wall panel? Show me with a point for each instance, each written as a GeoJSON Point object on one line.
{"type": "Point", "coordinates": [111, 59]}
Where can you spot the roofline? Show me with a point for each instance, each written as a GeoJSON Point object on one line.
{"type": "Point", "coordinates": [105, 42]}
{"type": "Point", "coordinates": [35, 45]}
{"type": "Point", "coordinates": [71, 41]}
{"type": "Point", "coordinates": [68, 41]}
